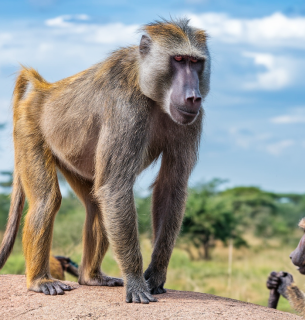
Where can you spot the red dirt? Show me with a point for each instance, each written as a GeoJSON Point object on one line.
{"type": "Point", "coordinates": [16, 302]}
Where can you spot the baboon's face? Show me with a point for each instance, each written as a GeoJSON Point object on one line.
{"type": "Point", "coordinates": [175, 77]}
{"type": "Point", "coordinates": [298, 255]}
{"type": "Point", "coordinates": [184, 99]}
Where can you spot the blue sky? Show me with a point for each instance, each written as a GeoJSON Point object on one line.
{"type": "Point", "coordinates": [254, 130]}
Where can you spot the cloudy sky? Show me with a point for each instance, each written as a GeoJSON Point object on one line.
{"type": "Point", "coordinates": [254, 131]}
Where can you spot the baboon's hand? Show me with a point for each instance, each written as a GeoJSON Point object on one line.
{"type": "Point", "coordinates": [138, 293]}
{"type": "Point", "coordinates": [285, 281]}
{"type": "Point", "coordinates": [155, 280]}
{"type": "Point", "coordinates": [273, 280]}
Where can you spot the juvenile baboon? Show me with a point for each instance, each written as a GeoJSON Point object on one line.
{"type": "Point", "coordinates": [282, 283]}
{"type": "Point", "coordinates": [101, 128]}
{"type": "Point", "coordinates": [56, 269]}
{"type": "Point", "coordinates": [59, 265]}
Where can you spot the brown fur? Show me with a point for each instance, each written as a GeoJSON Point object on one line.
{"type": "Point", "coordinates": [59, 265]}
{"type": "Point", "coordinates": [302, 224]}
{"type": "Point", "coordinates": [296, 298]}
{"type": "Point", "coordinates": [282, 282]}
{"type": "Point", "coordinates": [56, 269]}
{"type": "Point", "coordinates": [101, 129]}
{"type": "Point", "coordinates": [294, 295]}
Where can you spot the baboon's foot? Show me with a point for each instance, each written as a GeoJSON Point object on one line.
{"type": "Point", "coordinates": [50, 287]}
{"type": "Point", "coordinates": [138, 293]}
{"type": "Point", "coordinates": [102, 280]}
{"type": "Point", "coordinates": [157, 289]}
{"type": "Point", "coordinates": [155, 281]}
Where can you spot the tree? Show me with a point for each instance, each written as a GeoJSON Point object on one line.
{"type": "Point", "coordinates": [4, 209]}
{"type": "Point", "coordinates": [210, 216]}
{"type": "Point", "coordinates": [7, 183]}
{"type": "Point", "coordinates": [143, 205]}
{"type": "Point", "coordinates": [261, 211]}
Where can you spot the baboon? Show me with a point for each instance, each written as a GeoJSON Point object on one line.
{"type": "Point", "coordinates": [59, 265]}
{"type": "Point", "coordinates": [101, 128]}
{"type": "Point", "coordinates": [282, 283]}
{"type": "Point", "coordinates": [56, 269]}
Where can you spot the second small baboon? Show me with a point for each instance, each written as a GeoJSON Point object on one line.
{"type": "Point", "coordinates": [282, 283]}
{"type": "Point", "coordinates": [101, 128]}
{"type": "Point", "coordinates": [59, 265]}
{"type": "Point", "coordinates": [56, 269]}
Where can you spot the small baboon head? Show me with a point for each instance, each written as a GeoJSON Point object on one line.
{"type": "Point", "coordinates": [298, 255]}
{"type": "Point", "coordinates": [174, 68]}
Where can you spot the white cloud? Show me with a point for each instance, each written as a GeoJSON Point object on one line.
{"type": "Point", "coordinates": [279, 147]}
{"type": "Point", "coordinates": [89, 32]}
{"type": "Point", "coordinates": [297, 115]}
{"type": "Point", "coordinates": [63, 21]}
{"type": "Point", "coordinates": [68, 43]}
{"type": "Point", "coordinates": [4, 110]}
{"type": "Point", "coordinates": [261, 141]}
{"type": "Point", "coordinates": [279, 65]}
{"type": "Point", "coordinates": [274, 30]}
{"type": "Point", "coordinates": [279, 71]}
{"type": "Point", "coordinates": [245, 138]}
{"type": "Point", "coordinates": [4, 38]}
{"type": "Point", "coordinates": [114, 33]}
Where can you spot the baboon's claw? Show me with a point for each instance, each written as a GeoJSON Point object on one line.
{"type": "Point", "coordinates": [52, 288]}
{"type": "Point", "coordinates": [140, 297]}
{"type": "Point", "coordinates": [102, 280]}
{"type": "Point", "coordinates": [113, 282]}
{"type": "Point", "coordinates": [158, 290]}
{"type": "Point", "coordinates": [155, 281]}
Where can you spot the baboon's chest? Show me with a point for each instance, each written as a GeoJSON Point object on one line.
{"type": "Point", "coordinates": [161, 139]}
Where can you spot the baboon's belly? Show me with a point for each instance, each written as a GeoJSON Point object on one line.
{"type": "Point", "coordinates": [81, 162]}
{"type": "Point", "coordinates": [75, 149]}
{"type": "Point", "coordinates": [72, 137]}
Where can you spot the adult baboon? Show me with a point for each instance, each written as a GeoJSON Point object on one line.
{"type": "Point", "coordinates": [101, 128]}
{"type": "Point", "coordinates": [281, 283]}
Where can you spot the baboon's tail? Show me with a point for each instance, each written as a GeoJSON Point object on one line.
{"type": "Point", "coordinates": [17, 197]}
{"type": "Point", "coordinates": [17, 204]}
{"type": "Point", "coordinates": [25, 76]}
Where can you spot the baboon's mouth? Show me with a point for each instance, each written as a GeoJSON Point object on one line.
{"type": "Point", "coordinates": [301, 269]}
{"type": "Point", "coordinates": [182, 115]}
{"type": "Point", "coordinates": [187, 112]}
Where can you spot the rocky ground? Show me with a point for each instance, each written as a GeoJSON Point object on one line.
{"type": "Point", "coordinates": [16, 302]}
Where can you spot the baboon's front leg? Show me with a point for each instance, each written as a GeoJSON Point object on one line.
{"type": "Point", "coordinates": [119, 211]}
{"type": "Point", "coordinates": [119, 159]}
{"type": "Point", "coordinates": [168, 202]}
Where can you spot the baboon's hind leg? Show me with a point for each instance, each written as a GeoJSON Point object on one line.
{"type": "Point", "coordinates": [39, 179]}
{"type": "Point", "coordinates": [95, 241]}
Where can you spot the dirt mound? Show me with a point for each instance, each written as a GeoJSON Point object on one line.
{"type": "Point", "coordinates": [16, 302]}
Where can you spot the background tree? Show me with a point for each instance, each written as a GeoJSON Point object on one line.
{"type": "Point", "coordinates": [7, 182]}
{"type": "Point", "coordinates": [264, 213]}
{"type": "Point", "coordinates": [143, 205]}
{"type": "Point", "coordinates": [209, 216]}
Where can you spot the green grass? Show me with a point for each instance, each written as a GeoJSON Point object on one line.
{"type": "Point", "coordinates": [250, 269]}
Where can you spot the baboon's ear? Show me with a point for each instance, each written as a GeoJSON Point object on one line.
{"type": "Point", "coordinates": [145, 44]}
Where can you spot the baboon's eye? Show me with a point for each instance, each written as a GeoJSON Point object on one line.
{"type": "Point", "coordinates": [178, 58]}
{"type": "Point", "coordinates": [194, 60]}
